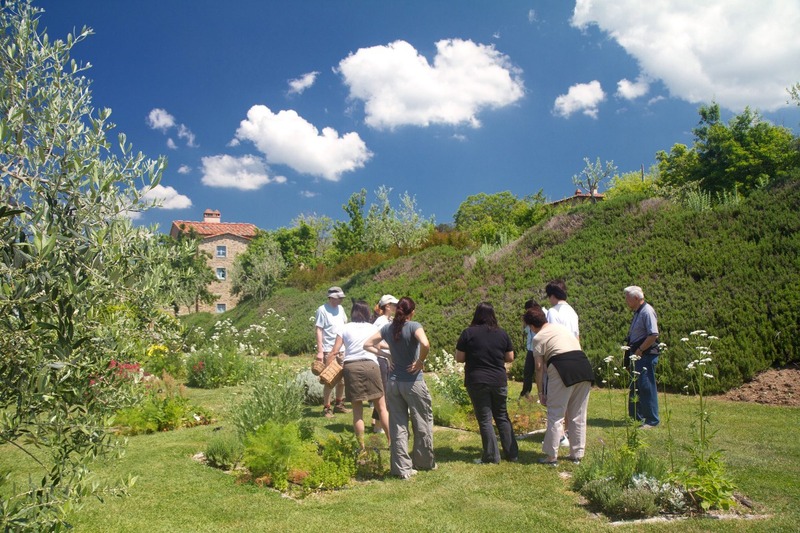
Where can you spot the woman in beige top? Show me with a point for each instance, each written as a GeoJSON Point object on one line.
{"type": "Point", "coordinates": [569, 379]}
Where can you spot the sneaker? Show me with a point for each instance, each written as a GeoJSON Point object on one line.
{"type": "Point", "coordinates": [646, 426]}
{"type": "Point", "coordinates": [340, 408]}
{"type": "Point", "coordinates": [564, 442]}
{"type": "Point", "coordinates": [575, 460]}
{"type": "Point", "coordinates": [327, 412]}
{"type": "Point", "coordinates": [377, 429]}
{"type": "Point", "coordinates": [412, 473]}
{"type": "Point", "coordinates": [547, 461]}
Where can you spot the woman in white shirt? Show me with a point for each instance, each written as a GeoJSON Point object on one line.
{"type": "Point", "coordinates": [362, 375]}
{"type": "Point", "coordinates": [385, 312]}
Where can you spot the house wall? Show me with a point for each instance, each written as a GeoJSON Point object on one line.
{"type": "Point", "coordinates": [222, 288]}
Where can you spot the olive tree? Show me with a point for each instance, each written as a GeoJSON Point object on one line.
{"type": "Point", "coordinates": [386, 226]}
{"type": "Point", "coordinates": [593, 176]}
{"type": "Point", "coordinates": [73, 268]}
{"type": "Point", "coordinates": [257, 271]}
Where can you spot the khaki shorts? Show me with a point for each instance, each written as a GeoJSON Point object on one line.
{"type": "Point", "coordinates": [362, 380]}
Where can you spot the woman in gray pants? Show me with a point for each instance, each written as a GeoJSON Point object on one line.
{"type": "Point", "coordinates": [407, 396]}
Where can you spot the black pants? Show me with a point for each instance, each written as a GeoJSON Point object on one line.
{"type": "Point", "coordinates": [490, 402]}
{"type": "Point", "coordinates": [527, 374]}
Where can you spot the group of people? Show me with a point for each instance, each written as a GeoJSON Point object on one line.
{"type": "Point", "coordinates": [383, 361]}
{"type": "Point", "coordinates": [385, 352]}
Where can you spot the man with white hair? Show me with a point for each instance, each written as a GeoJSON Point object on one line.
{"type": "Point", "coordinates": [642, 357]}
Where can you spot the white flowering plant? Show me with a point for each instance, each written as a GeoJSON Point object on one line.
{"type": "Point", "coordinates": [448, 379]}
{"type": "Point", "coordinates": [706, 481]}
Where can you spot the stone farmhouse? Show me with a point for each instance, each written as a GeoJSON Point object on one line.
{"type": "Point", "coordinates": [223, 242]}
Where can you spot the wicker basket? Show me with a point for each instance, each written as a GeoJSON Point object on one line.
{"type": "Point", "coordinates": [317, 367]}
{"type": "Point", "coordinates": [332, 373]}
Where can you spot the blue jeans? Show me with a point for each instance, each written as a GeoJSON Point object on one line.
{"type": "Point", "coordinates": [489, 402]}
{"type": "Point", "coordinates": [646, 408]}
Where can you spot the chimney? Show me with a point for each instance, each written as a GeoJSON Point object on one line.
{"type": "Point", "coordinates": [211, 216]}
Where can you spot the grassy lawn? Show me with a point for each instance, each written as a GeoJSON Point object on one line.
{"type": "Point", "coordinates": [175, 493]}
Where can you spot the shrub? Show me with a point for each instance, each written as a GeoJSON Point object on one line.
{"type": "Point", "coordinates": [451, 387]}
{"type": "Point", "coordinates": [159, 358]}
{"type": "Point", "coordinates": [707, 483]}
{"type": "Point", "coordinates": [312, 388]}
{"type": "Point", "coordinates": [264, 337]}
{"type": "Point", "coordinates": [448, 381]}
{"type": "Point", "coordinates": [668, 496]}
{"type": "Point", "coordinates": [225, 450]}
{"type": "Point", "coordinates": [636, 503]}
{"type": "Point", "coordinates": [275, 397]}
{"type": "Point", "coordinates": [339, 463]}
{"type": "Point", "coordinates": [210, 368]}
{"type": "Point", "coordinates": [328, 476]}
{"type": "Point", "coordinates": [277, 449]}
{"type": "Point", "coordinates": [603, 493]}
{"type": "Point", "coordinates": [372, 462]}
{"type": "Point", "coordinates": [163, 408]}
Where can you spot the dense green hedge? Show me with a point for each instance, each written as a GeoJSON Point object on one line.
{"type": "Point", "coordinates": [732, 271]}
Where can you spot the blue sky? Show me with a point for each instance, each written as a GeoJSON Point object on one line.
{"type": "Point", "coordinates": [270, 109]}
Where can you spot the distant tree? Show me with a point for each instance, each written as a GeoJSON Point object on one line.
{"type": "Point", "coordinates": [405, 228]}
{"type": "Point", "coordinates": [636, 182]}
{"type": "Point", "coordinates": [298, 245]}
{"type": "Point", "coordinates": [492, 218]}
{"type": "Point", "coordinates": [678, 167]}
{"type": "Point", "coordinates": [79, 281]}
{"type": "Point", "coordinates": [529, 210]}
{"type": "Point", "coordinates": [742, 155]}
{"type": "Point", "coordinates": [794, 93]}
{"type": "Point", "coordinates": [348, 237]}
{"type": "Point", "coordinates": [258, 270]}
{"type": "Point", "coordinates": [593, 176]}
{"type": "Point", "coordinates": [322, 227]}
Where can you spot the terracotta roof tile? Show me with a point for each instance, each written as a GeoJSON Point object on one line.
{"type": "Point", "coordinates": [213, 229]}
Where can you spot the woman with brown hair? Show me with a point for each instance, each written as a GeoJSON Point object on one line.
{"type": "Point", "coordinates": [407, 396]}
{"type": "Point", "coordinates": [362, 375]}
{"type": "Point", "coordinates": [485, 348]}
{"type": "Point", "coordinates": [569, 379]}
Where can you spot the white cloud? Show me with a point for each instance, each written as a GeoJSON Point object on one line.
{"type": "Point", "coordinates": [308, 194]}
{"type": "Point", "coordinates": [247, 172]}
{"type": "Point", "coordinates": [399, 87]}
{"type": "Point", "coordinates": [736, 52]}
{"type": "Point", "coordinates": [583, 97]}
{"type": "Point", "coordinates": [167, 198]}
{"type": "Point", "coordinates": [531, 16]}
{"type": "Point", "coordinates": [298, 85]}
{"type": "Point", "coordinates": [184, 169]}
{"type": "Point", "coordinates": [631, 90]}
{"type": "Point", "coordinates": [286, 138]}
{"type": "Point", "coordinates": [160, 119]}
{"type": "Point", "coordinates": [185, 133]}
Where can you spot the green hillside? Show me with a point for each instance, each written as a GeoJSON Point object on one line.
{"type": "Point", "coordinates": [732, 271]}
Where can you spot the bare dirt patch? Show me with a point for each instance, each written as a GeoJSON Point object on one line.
{"type": "Point", "coordinates": [773, 387]}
